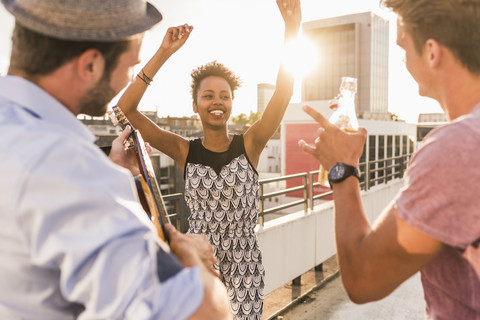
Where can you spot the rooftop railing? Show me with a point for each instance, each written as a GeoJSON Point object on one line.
{"type": "Point", "coordinates": [372, 173]}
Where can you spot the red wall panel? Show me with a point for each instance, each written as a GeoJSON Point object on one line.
{"type": "Point", "coordinates": [297, 160]}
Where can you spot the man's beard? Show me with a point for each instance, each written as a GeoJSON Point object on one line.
{"type": "Point", "coordinates": [95, 102]}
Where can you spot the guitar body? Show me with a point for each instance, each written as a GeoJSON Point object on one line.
{"type": "Point", "coordinates": [140, 183]}
{"type": "Point", "coordinates": [149, 205]}
{"type": "Point", "coordinates": [147, 186]}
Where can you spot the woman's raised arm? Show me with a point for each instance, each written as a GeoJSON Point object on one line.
{"type": "Point", "coordinates": [260, 132]}
{"type": "Point", "coordinates": [167, 142]}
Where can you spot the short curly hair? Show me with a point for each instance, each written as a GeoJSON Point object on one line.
{"type": "Point", "coordinates": [216, 69]}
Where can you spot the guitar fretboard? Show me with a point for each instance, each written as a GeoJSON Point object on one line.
{"type": "Point", "coordinates": [135, 140]}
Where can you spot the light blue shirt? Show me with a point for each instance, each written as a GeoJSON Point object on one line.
{"type": "Point", "coordinates": [74, 241]}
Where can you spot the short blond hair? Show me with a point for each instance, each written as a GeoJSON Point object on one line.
{"type": "Point", "coordinates": [453, 23]}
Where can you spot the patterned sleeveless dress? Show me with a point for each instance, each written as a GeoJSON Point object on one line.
{"type": "Point", "coordinates": [221, 189]}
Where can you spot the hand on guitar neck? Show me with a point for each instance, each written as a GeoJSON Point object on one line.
{"type": "Point", "coordinates": [126, 157]}
{"type": "Point", "coordinates": [147, 186]}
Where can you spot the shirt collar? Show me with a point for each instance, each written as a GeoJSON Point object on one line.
{"type": "Point", "coordinates": [37, 101]}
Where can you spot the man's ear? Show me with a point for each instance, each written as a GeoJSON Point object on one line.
{"type": "Point", "coordinates": [433, 53]}
{"type": "Point", "coordinates": [90, 65]}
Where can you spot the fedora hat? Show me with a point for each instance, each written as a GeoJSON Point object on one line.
{"type": "Point", "coordinates": [85, 20]}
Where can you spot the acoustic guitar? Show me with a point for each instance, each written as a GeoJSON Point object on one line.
{"type": "Point", "coordinates": [146, 183]}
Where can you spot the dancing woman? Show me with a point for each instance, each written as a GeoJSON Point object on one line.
{"type": "Point", "coordinates": [221, 181]}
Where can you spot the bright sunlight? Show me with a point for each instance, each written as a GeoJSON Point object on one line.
{"type": "Point", "coordinates": [300, 57]}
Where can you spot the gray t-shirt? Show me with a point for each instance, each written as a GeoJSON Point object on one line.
{"type": "Point", "coordinates": [441, 198]}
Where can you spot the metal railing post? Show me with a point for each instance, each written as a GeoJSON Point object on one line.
{"type": "Point", "coordinates": [385, 172]}
{"type": "Point", "coordinates": [177, 210]}
{"type": "Point", "coordinates": [261, 219]}
{"type": "Point", "coordinates": [367, 175]}
{"type": "Point", "coordinates": [310, 190]}
{"type": "Point", "coordinates": [305, 194]}
{"type": "Point", "coordinates": [183, 216]}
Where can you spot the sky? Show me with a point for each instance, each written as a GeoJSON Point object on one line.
{"type": "Point", "coordinates": [247, 36]}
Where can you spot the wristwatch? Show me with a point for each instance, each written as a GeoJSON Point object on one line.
{"type": "Point", "coordinates": [341, 171]}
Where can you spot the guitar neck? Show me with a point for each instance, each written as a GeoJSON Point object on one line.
{"type": "Point", "coordinates": [156, 206]}
{"type": "Point", "coordinates": [148, 173]}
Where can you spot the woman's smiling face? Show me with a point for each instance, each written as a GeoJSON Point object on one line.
{"type": "Point", "coordinates": [214, 101]}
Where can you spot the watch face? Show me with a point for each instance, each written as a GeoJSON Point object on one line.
{"type": "Point", "coordinates": [341, 171]}
{"type": "Point", "coordinates": [337, 171]}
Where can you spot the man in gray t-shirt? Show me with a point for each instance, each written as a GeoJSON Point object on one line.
{"type": "Point", "coordinates": [432, 226]}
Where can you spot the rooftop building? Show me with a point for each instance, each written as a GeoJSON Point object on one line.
{"type": "Point", "coordinates": [356, 46]}
{"type": "Point", "coordinates": [264, 93]}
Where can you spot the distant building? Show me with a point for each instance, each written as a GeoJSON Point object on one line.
{"type": "Point", "coordinates": [432, 118]}
{"type": "Point", "coordinates": [192, 122]}
{"type": "Point", "coordinates": [269, 166]}
{"type": "Point", "coordinates": [184, 126]}
{"type": "Point", "coordinates": [168, 174]}
{"type": "Point", "coordinates": [264, 94]}
{"type": "Point", "coordinates": [270, 158]}
{"type": "Point", "coordinates": [106, 132]}
{"type": "Point", "coordinates": [356, 46]}
{"type": "Point", "coordinates": [428, 122]}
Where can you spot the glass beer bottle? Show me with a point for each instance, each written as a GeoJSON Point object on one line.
{"type": "Point", "coordinates": [344, 115]}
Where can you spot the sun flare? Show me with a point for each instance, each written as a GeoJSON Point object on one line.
{"type": "Point", "coordinates": [301, 56]}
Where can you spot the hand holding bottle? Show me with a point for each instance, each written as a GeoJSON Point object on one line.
{"type": "Point", "coordinates": [344, 115]}
{"type": "Point", "coordinates": [333, 144]}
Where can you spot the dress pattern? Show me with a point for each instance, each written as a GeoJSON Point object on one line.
{"type": "Point", "coordinates": [221, 190]}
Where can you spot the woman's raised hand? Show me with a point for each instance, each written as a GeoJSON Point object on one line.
{"type": "Point", "coordinates": [176, 37]}
{"type": "Point", "coordinates": [291, 14]}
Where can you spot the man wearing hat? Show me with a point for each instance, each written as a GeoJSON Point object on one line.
{"type": "Point", "coordinates": [75, 242]}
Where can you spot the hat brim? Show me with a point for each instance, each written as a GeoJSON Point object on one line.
{"type": "Point", "coordinates": [115, 33]}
